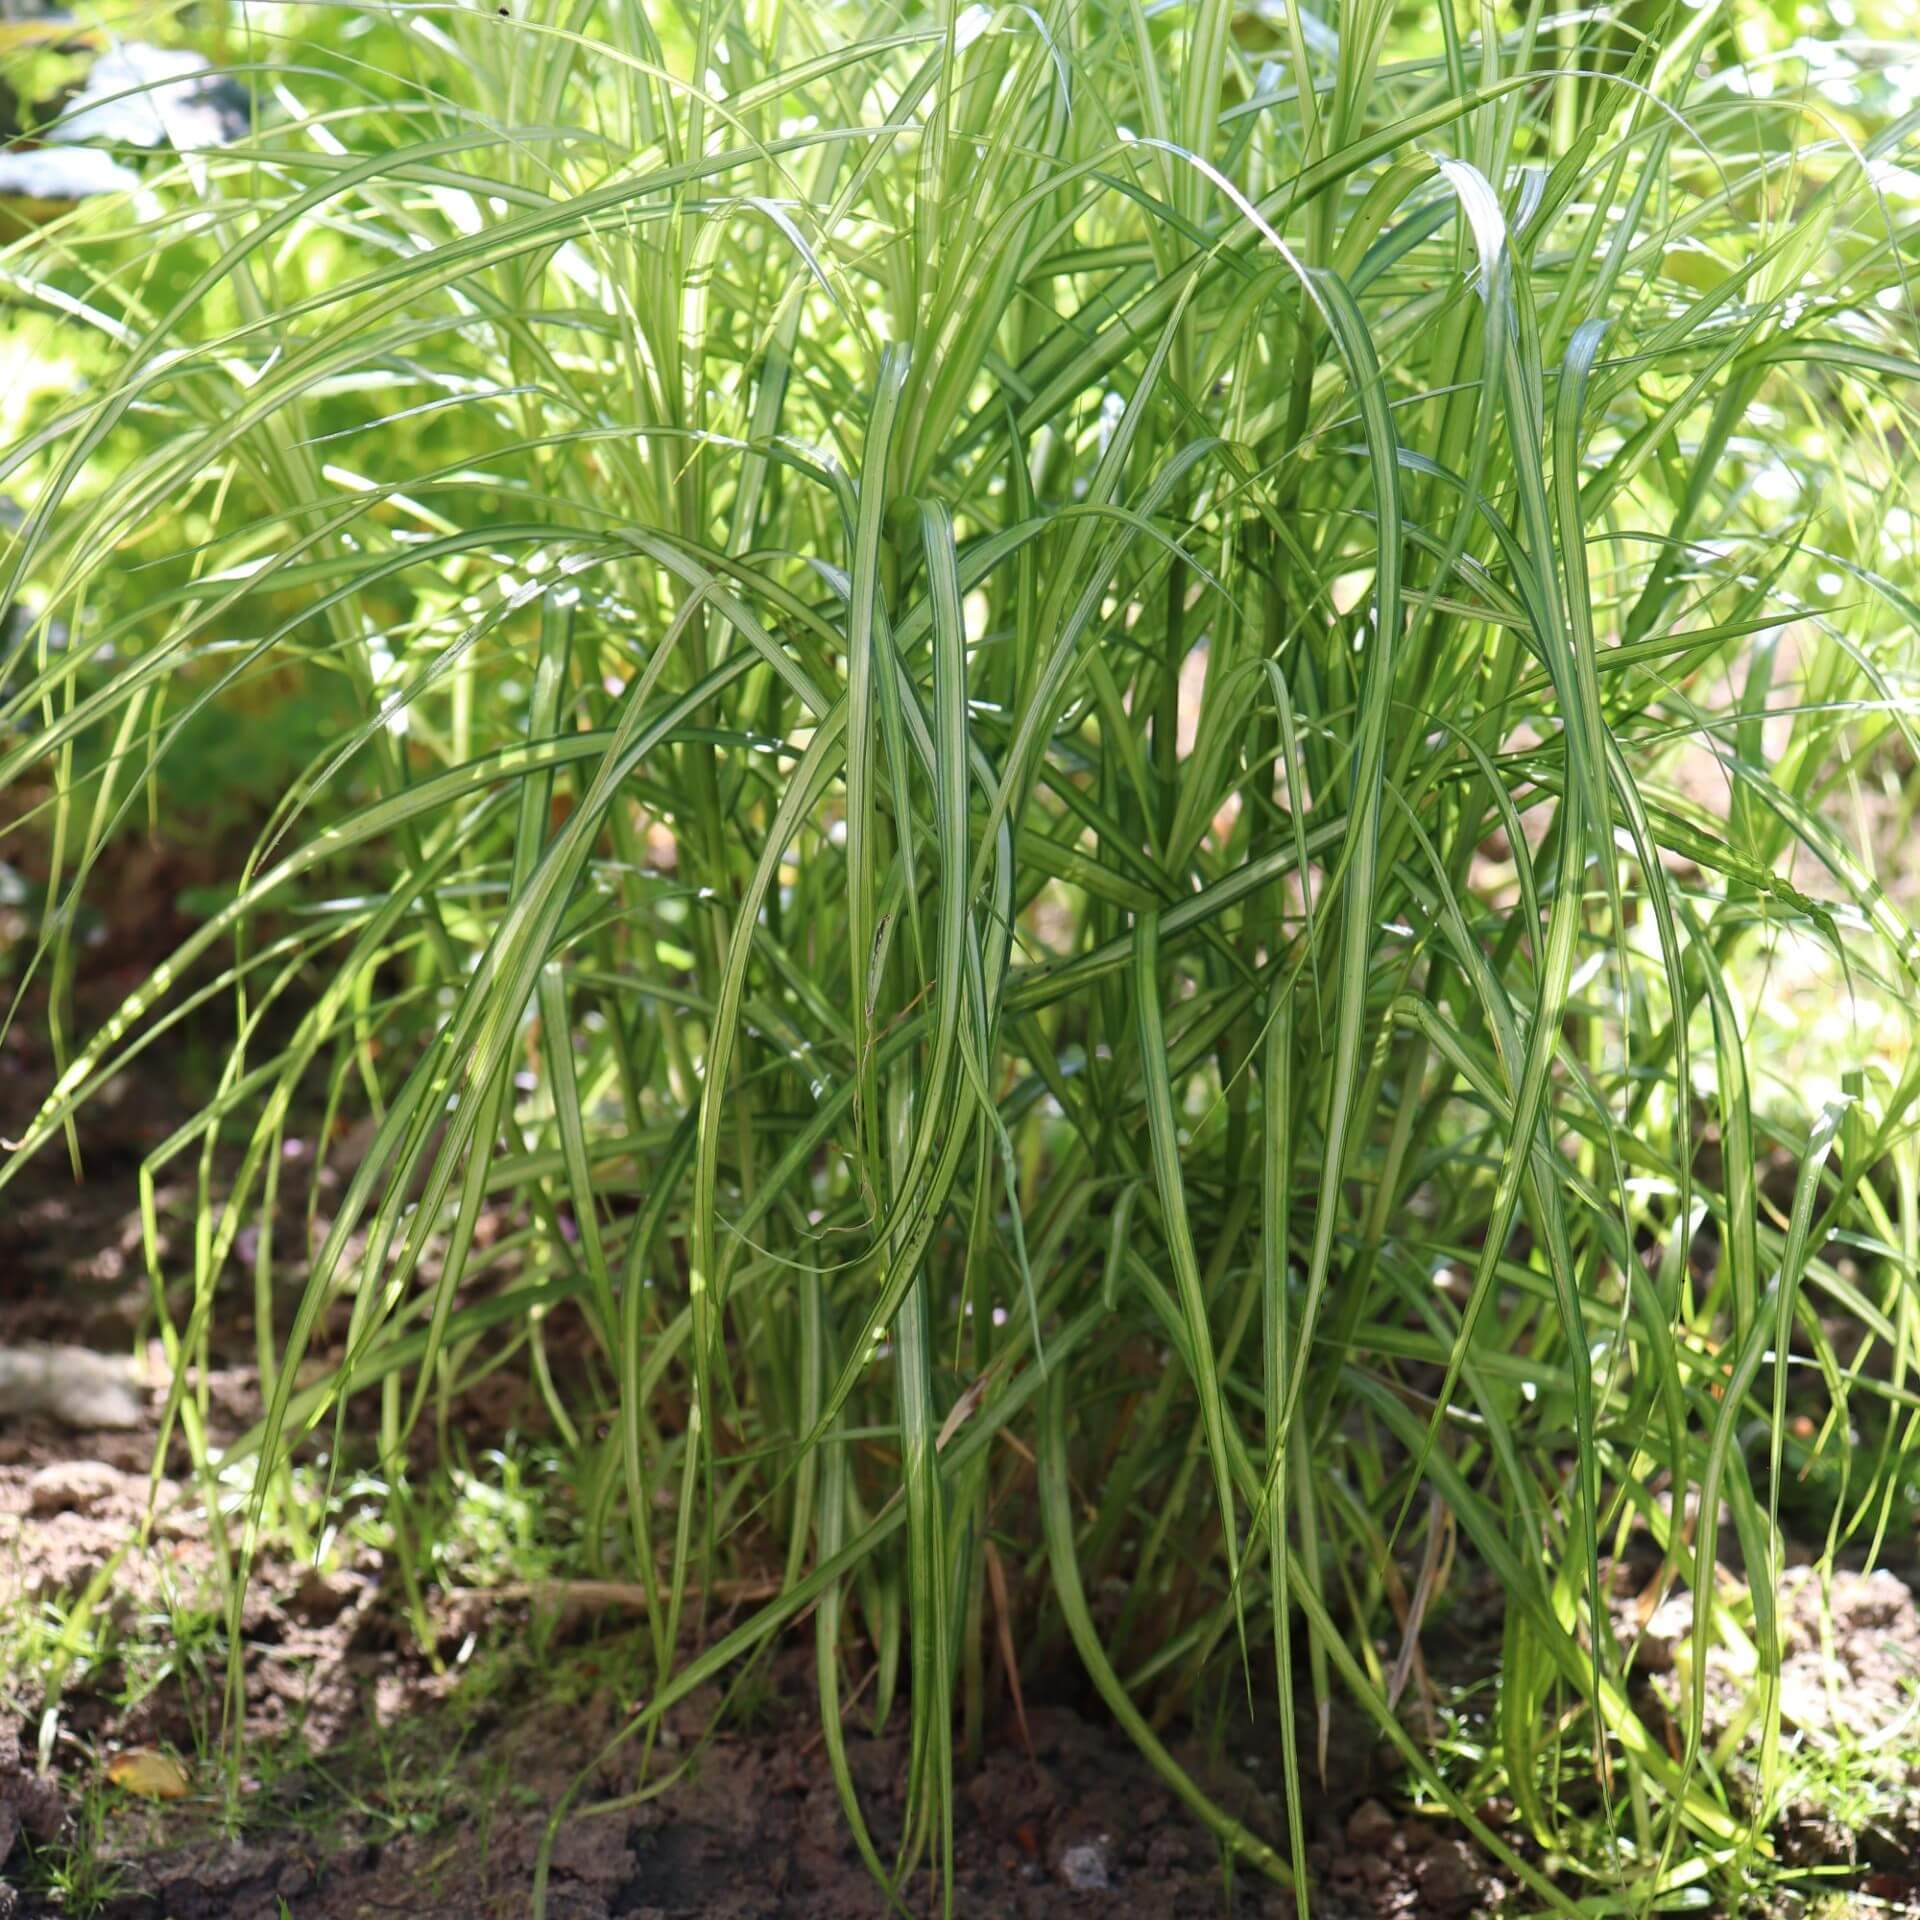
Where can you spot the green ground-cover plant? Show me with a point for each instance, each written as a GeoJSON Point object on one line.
{"type": "Point", "coordinates": [1076, 722]}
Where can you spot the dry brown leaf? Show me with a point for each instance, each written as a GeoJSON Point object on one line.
{"type": "Point", "coordinates": [151, 1775]}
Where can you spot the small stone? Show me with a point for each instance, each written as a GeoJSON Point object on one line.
{"type": "Point", "coordinates": [1084, 1867]}
{"type": "Point", "coordinates": [1369, 1827]}
{"type": "Point", "coordinates": [80, 1388]}
{"type": "Point", "coordinates": [72, 1486]}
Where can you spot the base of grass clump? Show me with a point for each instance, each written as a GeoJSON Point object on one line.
{"type": "Point", "coordinates": [384, 1768]}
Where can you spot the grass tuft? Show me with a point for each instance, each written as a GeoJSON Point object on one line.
{"type": "Point", "coordinates": [1085, 742]}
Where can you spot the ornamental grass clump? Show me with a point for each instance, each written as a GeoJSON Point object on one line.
{"type": "Point", "coordinates": [1083, 741]}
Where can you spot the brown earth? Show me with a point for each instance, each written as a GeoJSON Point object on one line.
{"type": "Point", "coordinates": [383, 1776]}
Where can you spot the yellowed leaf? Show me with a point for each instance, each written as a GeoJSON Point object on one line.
{"type": "Point", "coordinates": [153, 1776]}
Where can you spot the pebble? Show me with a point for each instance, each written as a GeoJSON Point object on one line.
{"type": "Point", "coordinates": [80, 1388]}
{"type": "Point", "coordinates": [1084, 1867]}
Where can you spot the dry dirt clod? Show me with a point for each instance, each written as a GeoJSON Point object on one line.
{"type": "Point", "coordinates": [72, 1486]}
{"type": "Point", "coordinates": [321, 1597]}
{"type": "Point", "coordinates": [1450, 1876]}
{"type": "Point", "coordinates": [1369, 1827]}
{"type": "Point", "coordinates": [29, 1804]}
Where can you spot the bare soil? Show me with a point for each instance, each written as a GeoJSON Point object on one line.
{"type": "Point", "coordinates": [383, 1776]}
